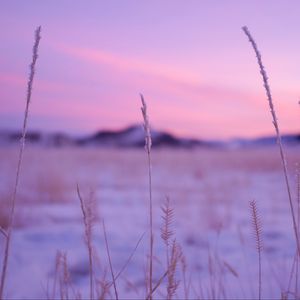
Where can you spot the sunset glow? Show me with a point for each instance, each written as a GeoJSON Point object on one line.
{"type": "Point", "coordinates": [191, 61]}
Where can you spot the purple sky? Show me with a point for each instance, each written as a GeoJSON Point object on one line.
{"type": "Point", "coordinates": [190, 59]}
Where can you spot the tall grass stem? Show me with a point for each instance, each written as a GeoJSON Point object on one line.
{"type": "Point", "coordinates": [20, 158]}
{"type": "Point", "coordinates": [278, 134]}
{"type": "Point", "coordinates": [148, 144]}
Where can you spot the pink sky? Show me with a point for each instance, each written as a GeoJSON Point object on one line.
{"type": "Point", "coordinates": [190, 59]}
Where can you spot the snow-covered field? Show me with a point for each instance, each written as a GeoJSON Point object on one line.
{"type": "Point", "coordinates": [209, 190]}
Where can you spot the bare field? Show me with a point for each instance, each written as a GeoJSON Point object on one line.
{"type": "Point", "coordinates": [209, 190]}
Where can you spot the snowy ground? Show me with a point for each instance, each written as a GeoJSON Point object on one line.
{"type": "Point", "coordinates": [209, 190]}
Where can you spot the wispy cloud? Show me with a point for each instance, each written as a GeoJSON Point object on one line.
{"type": "Point", "coordinates": [129, 64]}
{"type": "Point", "coordinates": [15, 80]}
{"type": "Point", "coordinates": [161, 78]}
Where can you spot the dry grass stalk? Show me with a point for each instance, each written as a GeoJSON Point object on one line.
{"type": "Point", "coordinates": [175, 255]}
{"type": "Point", "coordinates": [292, 274]}
{"type": "Point", "coordinates": [104, 289]}
{"type": "Point", "coordinates": [257, 233]}
{"type": "Point", "coordinates": [216, 271]}
{"type": "Point", "coordinates": [221, 279]}
{"type": "Point", "coordinates": [174, 260]}
{"type": "Point", "coordinates": [184, 269]}
{"type": "Point", "coordinates": [146, 276]}
{"type": "Point", "coordinates": [62, 273]}
{"type": "Point", "coordinates": [298, 191]}
{"type": "Point", "coordinates": [109, 260]}
{"type": "Point", "coordinates": [131, 286]}
{"type": "Point", "coordinates": [88, 220]}
{"type": "Point", "coordinates": [212, 276]}
{"type": "Point", "coordinates": [298, 224]}
{"type": "Point", "coordinates": [278, 134]}
{"type": "Point", "coordinates": [295, 266]}
{"type": "Point", "coordinates": [230, 269]}
{"type": "Point", "coordinates": [64, 278]}
{"type": "Point", "coordinates": [66, 288]}
{"type": "Point", "coordinates": [148, 144]}
{"type": "Point", "coordinates": [56, 272]}
{"type": "Point", "coordinates": [22, 146]}
{"type": "Point", "coordinates": [104, 286]}
{"type": "Point", "coordinates": [161, 279]}
{"type": "Point", "coordinates": [3, 232]}
{"type": "Point", "coordinates": [166, 229]}
{"type": "Point", "coordinates": [128, 260]}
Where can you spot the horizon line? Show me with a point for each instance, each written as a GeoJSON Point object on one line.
{"type": "Point", "coordinates": [154, 129]}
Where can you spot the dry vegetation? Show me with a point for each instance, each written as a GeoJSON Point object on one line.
{"type": "Point", "coordinates": [208, 192]}
{"type": "Point", "coordinates": [211, 194]}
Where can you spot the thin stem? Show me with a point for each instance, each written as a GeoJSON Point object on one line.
{"type": "Point", "coordinates": [128, 260]}
{"type": "Point", "coordinates": [148, 144]}
{"type": "Point", "coordinates": [298, 224]}
{"type": "Point", "coordinates": [20, 158]}
{"type": "Point", "coordinates": [87, 219]}
{"type": "Point", "coordinates": [3, 232]}
{"type": "Point", "coordinates": [109, 259]}
{"type": "Point", "coordinates": [158, 284]}
{"type": "Point", "coordinates": [276, 126]}
{"type": "Point", "coordinates": [151, 223]}
{"type": "Point", "coordinates": [257, 234]}
{"type": "Point", "coordinates": [259, 274]}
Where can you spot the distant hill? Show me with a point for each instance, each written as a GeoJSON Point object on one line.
{"type": "Point", "coordinates": [287, 139]}
{"type": "Point", "coordinates": [133, 137]}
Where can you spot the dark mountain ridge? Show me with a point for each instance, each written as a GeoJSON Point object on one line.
{"type": "Point", "coordinates": [133, 137]}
